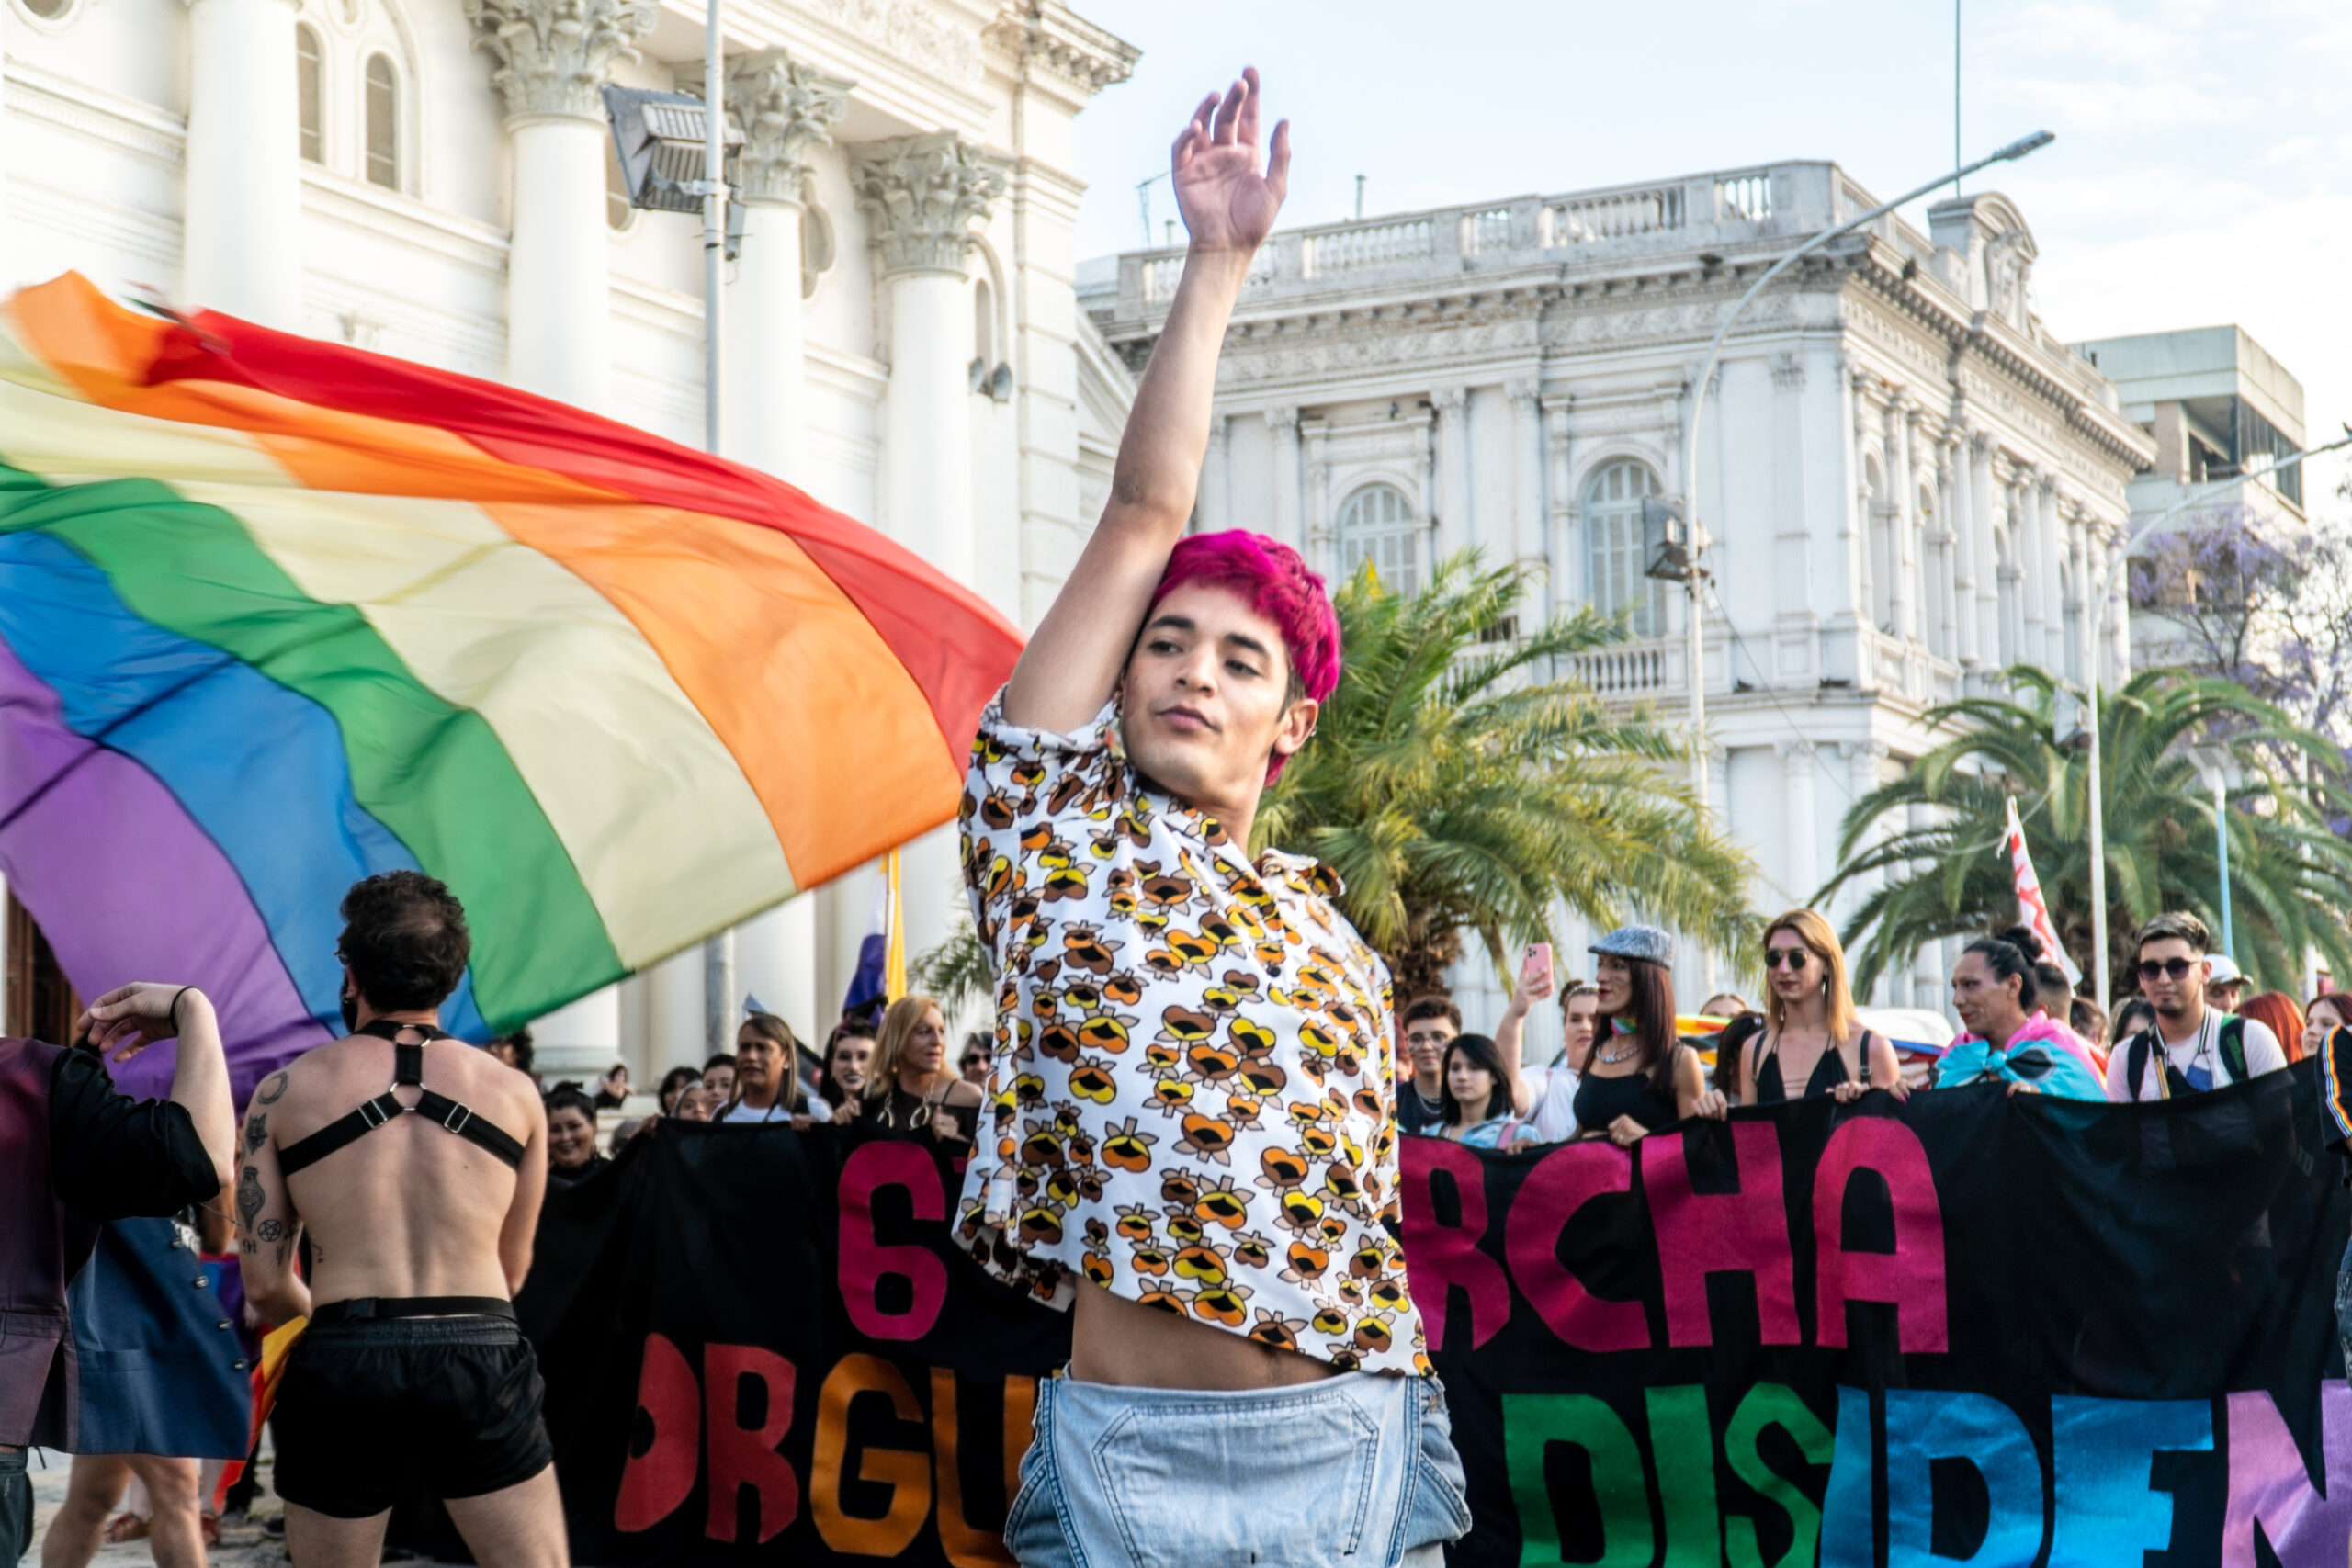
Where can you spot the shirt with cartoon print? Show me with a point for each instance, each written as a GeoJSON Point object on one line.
{"type": "Point", "coordinates": [1194, 1088]}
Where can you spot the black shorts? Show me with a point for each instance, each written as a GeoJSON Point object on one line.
{"type": "Point", "coordinates": [368, 1410]}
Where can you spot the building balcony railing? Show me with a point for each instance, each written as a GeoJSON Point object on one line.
{"type": "Point", "coordinates": [1698, 211]}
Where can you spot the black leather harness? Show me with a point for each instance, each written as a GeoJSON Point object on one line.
{"type": "Point", "coordinates": [408, 1071]}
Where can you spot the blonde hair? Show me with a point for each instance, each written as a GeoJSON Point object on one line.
{"type": "Point", "coordinates": [1821, 942]}
{"type": "Point", "coordinates": [899, 1025]}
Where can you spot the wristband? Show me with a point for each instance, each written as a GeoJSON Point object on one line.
{"type": "Point", "coordinates": [173, 1016]}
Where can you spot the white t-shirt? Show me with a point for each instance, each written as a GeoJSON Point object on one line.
{"type": "Point", "coordinates": [1552, 1102]}
{"type": "Point", "coordinates": [742, 1114]}
{"type": "Point", "coordinates": [2198, 1057]}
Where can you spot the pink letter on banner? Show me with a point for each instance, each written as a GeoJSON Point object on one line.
{"type": "Point", "coordinates": [2270, 1488]}
{"type": "Point", "coordinates": [1745, 1232]}
{"type": "Point", "coordinates": [1438, 1258]}
{"type": "Point", "coordinates": [1563, 1182]}
{"type": "Point", "coordinates": [1911, 1276]}
{"type": "Point", "coordinates": [864, 1260]}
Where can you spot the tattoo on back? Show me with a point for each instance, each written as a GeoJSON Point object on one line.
{"type": "Point", "coordinates": [249, 1198]}
{"type": "Point", "coordinates": [271, 1087]}
{"type": "Point", "coordinates": [256, 1129]}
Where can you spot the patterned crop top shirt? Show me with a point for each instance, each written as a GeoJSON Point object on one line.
{"type": "Point", "coordinates": [1194, 1090]}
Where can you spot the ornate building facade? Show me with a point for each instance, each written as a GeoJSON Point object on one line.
{"type": "Point", "coordinates": [1908, 481]}
{"type": "Point", "coordinates": [435, 179]}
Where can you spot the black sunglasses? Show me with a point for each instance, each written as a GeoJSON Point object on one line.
{"type": "Point", "coordinates": [2177, 968]}
{"type": "Point", "coordinates": [1798, 957]}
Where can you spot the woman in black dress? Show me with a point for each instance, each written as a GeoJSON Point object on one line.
{"type": "Point", "coordinates": [1640, 1075]}
{"type": "Point", "coordinates": [1811, 1035]}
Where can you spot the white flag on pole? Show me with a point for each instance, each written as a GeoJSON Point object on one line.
{"type": "Point", "coordinates": [2033, 911]}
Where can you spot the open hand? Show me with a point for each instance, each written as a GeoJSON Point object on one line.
{"type": "Point", "coordinates": [1228, 203]}
{"type": "Point", "coordinates": [135, 1016]}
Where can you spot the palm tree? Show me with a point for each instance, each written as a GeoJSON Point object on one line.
{"type": "Point", "coordinates": [1459, 784]}
{"type": "Point", "coordinates": [1947, 876]}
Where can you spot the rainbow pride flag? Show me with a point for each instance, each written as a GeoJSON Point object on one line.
{"type": "Point", "coordinates": [276, 614]}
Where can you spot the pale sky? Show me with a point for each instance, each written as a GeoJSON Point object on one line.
{"type": "Point", "coordinates": [2202, 172]}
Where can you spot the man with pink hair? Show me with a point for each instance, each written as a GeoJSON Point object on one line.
{"type": "Point", "coordinates": [1193, 1136]}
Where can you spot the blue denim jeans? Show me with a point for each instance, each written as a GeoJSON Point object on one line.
{"type": "Point", "coordinates": [16, 1507]}
{"type": "Point", "coordinates": [1353, 1472]}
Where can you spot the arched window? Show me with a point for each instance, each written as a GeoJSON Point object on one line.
{"type": "Point", "coordinates": [307, 83]}
{"type": "Point", "coordinates": [1936, 568]}
{"type": "Point", "coordinates": [984, 324]}
{"type": "Point", "coordinates": [815, 247]}
{"type": "Point", "coordinates": [1376, 524]}
{"type": "Point", "coordinates": [1612, 531]}
{"type": "Point", "coordinates": [1881, 557]}
{"type": "Point", "coordinates": [383, 123]}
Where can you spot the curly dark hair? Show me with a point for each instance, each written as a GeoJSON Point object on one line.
{"type": "Point", "coordinates": [404, 936]}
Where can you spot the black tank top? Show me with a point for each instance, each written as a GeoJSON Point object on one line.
{"type": "Point", "coordinates": [1828, 1072]}
{"type": "Point", "coordinates": [1600, 1101]}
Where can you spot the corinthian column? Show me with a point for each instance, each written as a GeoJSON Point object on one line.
{"type": "Point", "coordinates": [243, 193]}
{"type": "Point", "coordinates": [787, 109]}
{"type": "Point", "coordinates": [552, 56]}
{"type": "Point", "coordinates": [920, 195]}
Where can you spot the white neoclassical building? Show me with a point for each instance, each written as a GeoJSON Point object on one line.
{"type": "Point", "coordinates": [1908, 480]}
{"type": "Point", "coordinates": [435, 179]}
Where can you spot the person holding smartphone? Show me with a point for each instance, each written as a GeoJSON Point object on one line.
{"type": "Point", "coordinates": [1546, 1096]}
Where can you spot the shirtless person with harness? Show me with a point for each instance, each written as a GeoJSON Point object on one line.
{"type": "Point", "coordinates": [415, 1164]}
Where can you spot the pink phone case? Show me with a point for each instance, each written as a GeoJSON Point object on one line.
{"type": "Point", "coordinates": [1538, 965]}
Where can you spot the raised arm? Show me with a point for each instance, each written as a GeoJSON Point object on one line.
{"type": "Point", "coordinates": [1511, 1032]}
{"type": "Point", "coordinates": [1228, 203]}
{"type": "Point", "coordinates": [126, 1020]}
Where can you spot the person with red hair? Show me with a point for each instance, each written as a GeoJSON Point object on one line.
{"type": "Point", "coordinates": [2277, 1011]}
{"type": "Point", "coordinates": [1192, 1139]}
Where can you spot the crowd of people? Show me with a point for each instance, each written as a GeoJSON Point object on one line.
{"type": "Point", "coordinates": [1625, 1067]}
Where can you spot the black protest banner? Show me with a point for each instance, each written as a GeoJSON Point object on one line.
{"type": "Point", "coordinates": [1971, 1327]}
{"type": "Point", "coordinates": [773, 1351]}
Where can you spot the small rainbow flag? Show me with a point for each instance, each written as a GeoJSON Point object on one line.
{"type": "Point", "coordinates": [276, 614]}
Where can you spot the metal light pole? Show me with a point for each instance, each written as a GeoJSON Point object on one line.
{"type": "Point", "coordinates": [1698, 656]}
{"type": "Point", "coordinates": [2163, 522]}
{"type": "Point", "coordinates": [2213, 763]}
{"type": "Point", "coordinates": [717, 951]}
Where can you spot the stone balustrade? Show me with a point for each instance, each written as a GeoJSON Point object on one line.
{"type": "Point", "coordinates": [1619, 223]}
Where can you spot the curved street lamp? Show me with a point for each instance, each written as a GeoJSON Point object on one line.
{"type": "Point", "coordinates": [2162, 523]}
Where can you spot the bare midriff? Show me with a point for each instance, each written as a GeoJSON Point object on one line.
{"type": "Point", "coordinates": [1113, 1340]}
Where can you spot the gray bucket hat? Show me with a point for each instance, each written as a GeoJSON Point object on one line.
{"type": "Point", "coordinates": [1647, 944]}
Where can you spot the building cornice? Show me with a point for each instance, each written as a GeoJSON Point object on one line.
{"type": "Point", "coordinates": [108, 119]}
{"type": "Point", "coordinates": [1045, 43]}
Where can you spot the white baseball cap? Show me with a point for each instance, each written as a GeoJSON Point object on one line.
{"type": "Point", "coordinates": [2224, 971]}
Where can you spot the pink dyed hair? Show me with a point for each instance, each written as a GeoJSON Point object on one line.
{"type": "Point", "coordinates": [1270, 576]}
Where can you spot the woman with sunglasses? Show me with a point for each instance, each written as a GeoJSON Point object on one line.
{"type": "Point", "coordinates": [1996, 992]}
{"type": "Point", "coordinates": [1811, 1035]}
{"type": "Point", "coordinates": [1640, 1075]}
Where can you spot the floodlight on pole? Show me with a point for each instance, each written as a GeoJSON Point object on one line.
{"type": "Point", "coordinates": [2161, 523]}
{"type": "Point", "coordinates": [673, 149]}
{"type": "Point", "coordinates": [1691, 574]}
